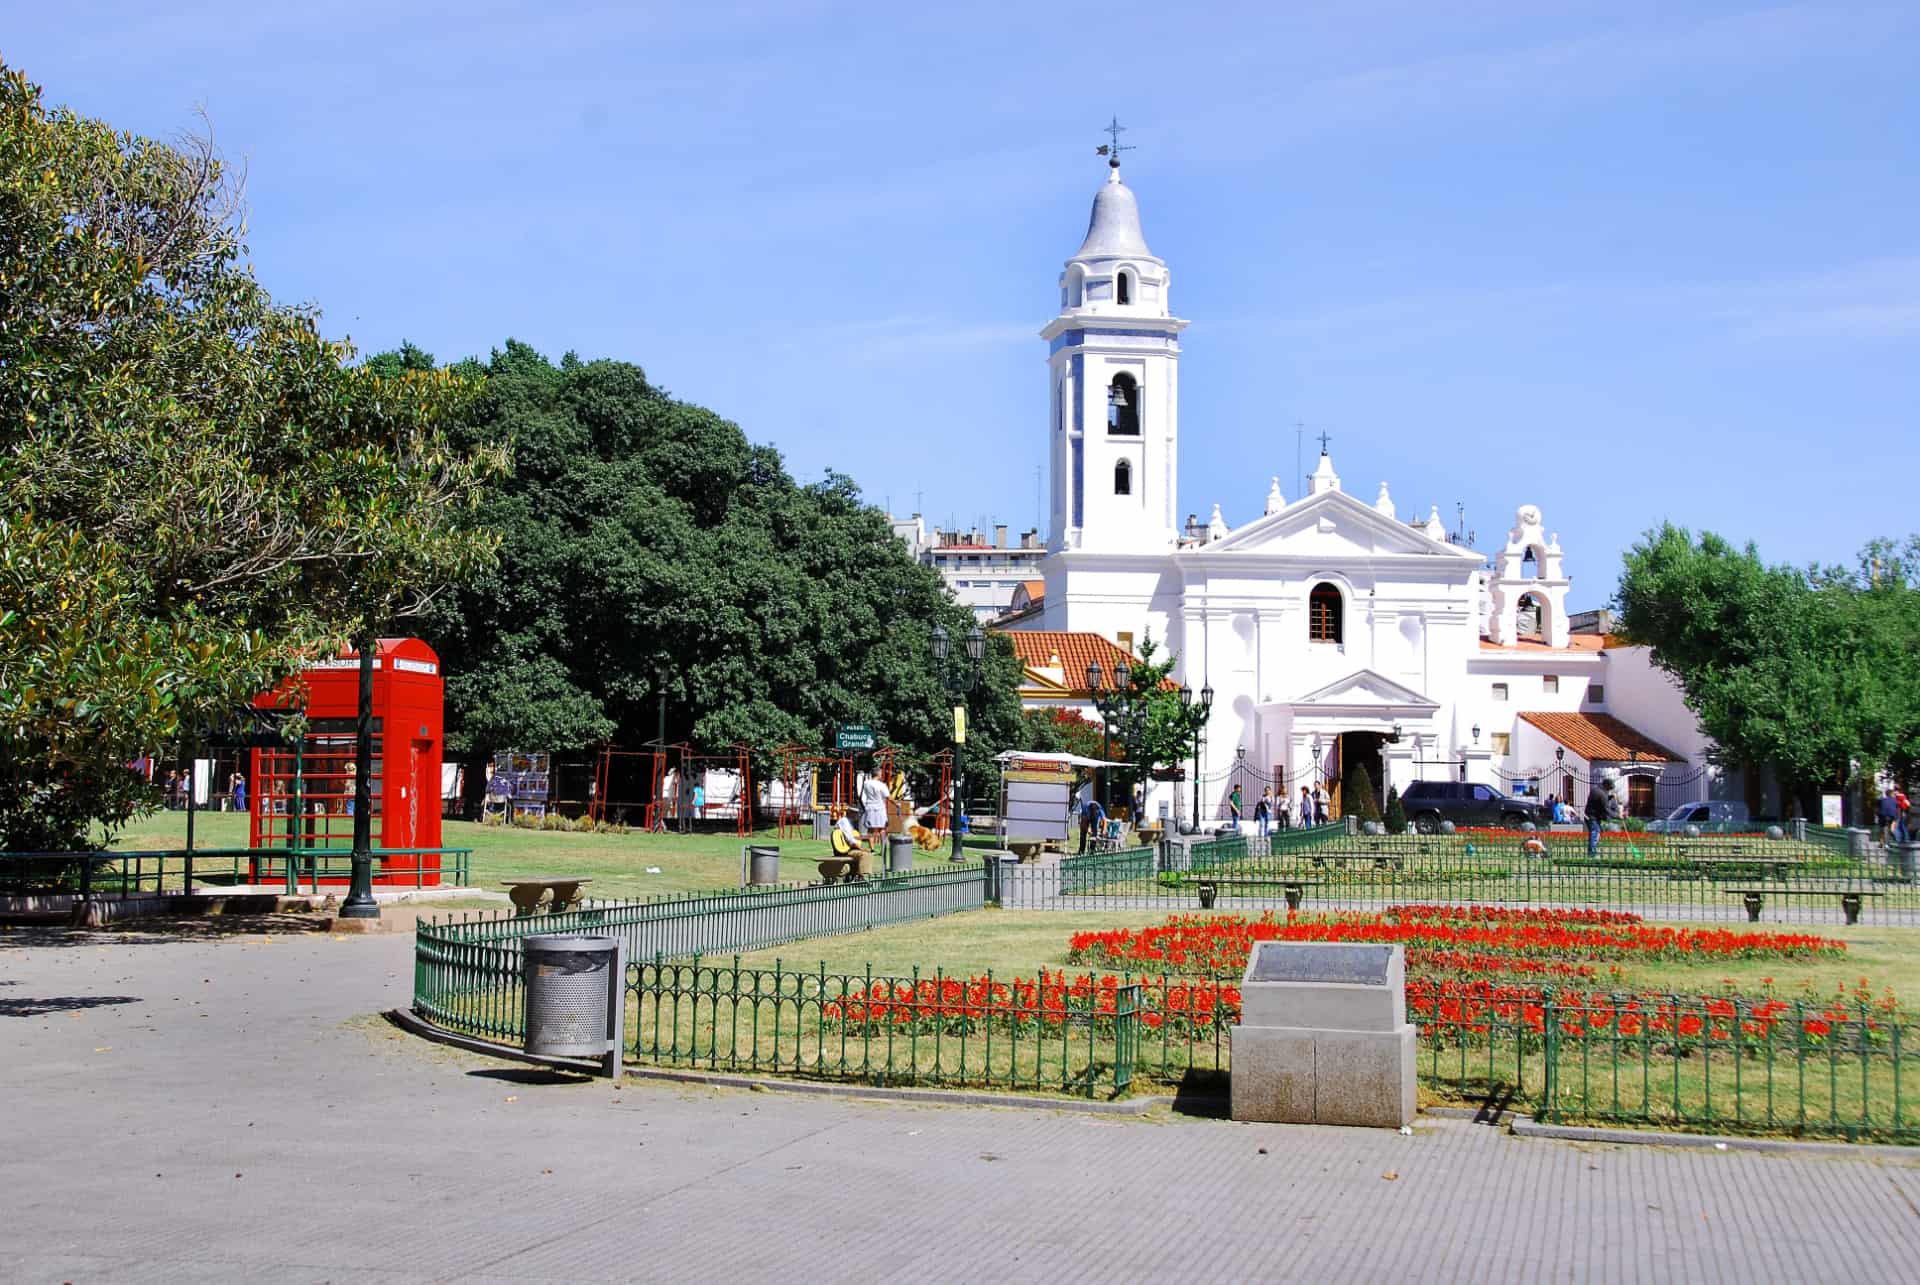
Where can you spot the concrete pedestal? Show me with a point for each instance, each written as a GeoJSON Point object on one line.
{"type": "Point", "coordinates": [1323, 1037]}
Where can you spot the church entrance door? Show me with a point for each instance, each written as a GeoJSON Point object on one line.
{"type": "Point", "coordinates": [1353, 751]}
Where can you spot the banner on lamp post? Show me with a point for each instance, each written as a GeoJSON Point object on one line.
{"type": "Point", "coordinates": [959, 724]}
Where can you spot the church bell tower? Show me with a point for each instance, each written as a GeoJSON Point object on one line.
{"type": "Point", "coordinates": [1113, 365]}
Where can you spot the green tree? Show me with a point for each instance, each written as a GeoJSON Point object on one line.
{"type": "Point", "coordinates": [1396, 817]}
{"type": "Point", "coordinates": [199, 491]}
{"type": "Point", "coordinates": [651, 550]}
{"type": "Point", "coordinates": [1359, 799]}
{"type": "Point", "coordinates": [1804, 672]}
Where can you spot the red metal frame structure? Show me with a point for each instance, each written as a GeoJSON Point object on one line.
{"type": "Point", "coordinates": [606, 775]}
{"type": "Point", "coordinates": [941, 767]}
{"type": "Point", "coordinates": [738, 760]}
{"type": "Point", "coordinates": [303, 797]}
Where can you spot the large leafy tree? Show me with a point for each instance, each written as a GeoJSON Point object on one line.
{"type": "Point", "coordinates": [1808, 673]}
{"type": "Point", "coordinates": [198, 490]}
{"type": "Point", "coordinates": [650, 549]}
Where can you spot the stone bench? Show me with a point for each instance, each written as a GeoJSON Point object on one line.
{"type": "Point", "coordinates": [527, 894]}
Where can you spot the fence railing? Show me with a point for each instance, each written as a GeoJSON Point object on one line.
{"type": "Point", "coordinates": [922, 1029]}
{"type": "Point", "coordinates": [467, 969]}
{"type": "Point", "coordinates": [176, 870]}
{"type": "Point", "coordinates": [1730, 877]}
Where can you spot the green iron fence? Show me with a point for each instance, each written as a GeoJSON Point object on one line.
{"type": "Point", "coordinates": [177, 870]}
{"type": "Point", "coordinates": [467, 968]}
{"type": "Point", "coordinates": [1730, 877]}
{"type": "Point", "coordinates": [889, 1030]}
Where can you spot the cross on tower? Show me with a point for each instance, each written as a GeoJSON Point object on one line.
{"type": "Point", "coordinates": [1112, 150]}
{"type": "Point", "coordinates": [1323, 443]}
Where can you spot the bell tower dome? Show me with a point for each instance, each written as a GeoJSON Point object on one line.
{"type": "Point", "coordinates": [1113, 356]}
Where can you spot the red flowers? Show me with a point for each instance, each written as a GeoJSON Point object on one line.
{"type": "Point", "coordinates": [1488, 939]}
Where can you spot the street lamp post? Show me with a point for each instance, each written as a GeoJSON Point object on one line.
{"type": "Point", "coordinates": [1118, 705]}
{"type": "Point", "coordinates": [960, 679]}
{"type": "Point", "coordinates": [360, 903]}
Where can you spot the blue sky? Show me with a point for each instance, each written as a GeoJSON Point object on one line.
{"type": "Point", "coordinates": [1628, 261]}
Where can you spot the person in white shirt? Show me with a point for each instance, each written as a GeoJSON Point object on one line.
{"type": "Point", "coordinates": [873, 806]}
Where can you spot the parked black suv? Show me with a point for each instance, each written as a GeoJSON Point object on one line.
{"type": "Point", "coordinates": [1428, 803]}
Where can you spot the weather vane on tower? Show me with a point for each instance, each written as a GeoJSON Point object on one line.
{"type": "Point", "coordinates": [1112, 150]}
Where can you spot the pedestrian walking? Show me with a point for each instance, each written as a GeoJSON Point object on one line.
{"type": "Point", "coordinates": [237, 788]}
{"type": "Point", "coordinates": [1082, 803]}
{"type": "Point", "coordinates": [1596, 813]}
{"type": "Point", "coordinates": [1263, 812]}
{"type": "Point", "coordinates": [1233, 808]}
{"type": "Point", "coordinates": [873, 808]}
{"type": "Point", "coordinates": [1321, 800]}
{"type": "Point", "coordinates": [1306, 807]}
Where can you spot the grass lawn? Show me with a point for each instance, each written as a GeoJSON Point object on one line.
{"type": "Point", "coordinates": [617, 863]}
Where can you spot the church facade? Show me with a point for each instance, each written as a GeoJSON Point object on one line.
{"type": "Point", "coordinates": [1335, 632]}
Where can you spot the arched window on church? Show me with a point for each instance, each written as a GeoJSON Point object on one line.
{"type": "Point", "coordinates": [1323, 614]}
{"type": "Point", "coordinates": [1124, 288]}
{"type": "Point", "coordinates": [1076, 286]}
{"type": "Point", "coordinates": [1123, 478]}
{"type": "Point", "coordinates": [1123, 405]}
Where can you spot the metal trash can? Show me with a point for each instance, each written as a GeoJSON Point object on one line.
{"type": "Point", "coordinates": [1904, 857]}
{"type": "Point", "coordinates": [822, 826]}
{"type": "Point", "coordinates": [999, 866]}
{"type": "Point", "coordinates": [899, 853]}
{"type": "Point", "coordinates": [763, 864]}
{"type": "Point", "coordinates": [573, 994]}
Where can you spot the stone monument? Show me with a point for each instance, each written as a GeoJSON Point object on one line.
{"type": "Point", "coordinates": [1323, 1036]}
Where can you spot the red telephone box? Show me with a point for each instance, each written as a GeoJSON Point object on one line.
{"type": "Point", "coordinates": [303, 797]}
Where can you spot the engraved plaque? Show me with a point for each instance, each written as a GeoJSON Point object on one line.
{"type": "Point", "coordinates": [1352, 965]}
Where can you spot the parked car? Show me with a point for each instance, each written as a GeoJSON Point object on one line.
{"type": "Point", "coordinates": [1719, 814]}
{"type": "Point", "coordinates": [1428, 803]}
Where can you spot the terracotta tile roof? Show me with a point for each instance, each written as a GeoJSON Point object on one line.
{"type": "Point", "coordinates": [1071, 652]}
{"type": "Point", "coordinates": [1600, 738]}
{"type": "Point", "coordinates": [1575, 642]}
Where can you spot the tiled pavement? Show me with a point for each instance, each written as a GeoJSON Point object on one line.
{"type": "Point", "coordinates": [216, 1110]}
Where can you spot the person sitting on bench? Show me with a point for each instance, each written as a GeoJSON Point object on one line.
{"type": "Point", "coordinates": [847, 842]}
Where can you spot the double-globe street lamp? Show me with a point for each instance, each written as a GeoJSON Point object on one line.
{"type": "Point", "coordinates": [1122, 706]}
{"type": "Point", "coordinates": [960, 679]}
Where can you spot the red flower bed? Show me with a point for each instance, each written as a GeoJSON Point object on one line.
{"type": "Point", "coordinates": [1437, 937]}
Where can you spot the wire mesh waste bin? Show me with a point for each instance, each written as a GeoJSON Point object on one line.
{"type": "Point", "coordinates": [574, 996]}
{"type": "Point", "coordinates": [899, 853]}
{"type": "Point", "coordinates": [763, 864]}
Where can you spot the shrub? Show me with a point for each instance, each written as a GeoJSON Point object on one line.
{"type": "Point", "coordinates": [1360, 799]}
{"type": "Point", "coordinates": [1396, 812]}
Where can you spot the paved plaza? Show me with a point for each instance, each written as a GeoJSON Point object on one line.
{"type": "Point", "coordinates": [228, 1108]}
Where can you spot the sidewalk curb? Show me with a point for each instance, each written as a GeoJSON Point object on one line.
{"type": "Point", "coordinates": [412, 1024]}
{"type": "Point", "coordinates": [1527, 1127]}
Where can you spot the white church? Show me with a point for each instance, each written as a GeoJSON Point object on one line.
{"type": "Point", "coordinates": [1333, 631]}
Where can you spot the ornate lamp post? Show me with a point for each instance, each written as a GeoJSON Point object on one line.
{"type": "Point", "coordinates": [1195, 721]}
{"type": "Point", "coordinates": [960, 679]}
{"type": "Point", "coordinates": [1119, 704]}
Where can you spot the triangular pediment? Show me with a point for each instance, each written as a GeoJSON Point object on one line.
{"type": "Point", "coordinates": [1366, 688]}
{"type": "Point", "coordinates": [1334, 525]}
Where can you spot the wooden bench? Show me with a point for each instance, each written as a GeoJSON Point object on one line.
{"type": "Point", "coordinates": [1381, 861]}
{"type": "Point", "coordinates": [1209, 887]}
{"type": "Point", "coordinates": [1754, 898]}
{"type": "Point", "coordinates": [1776, 867]}
{"type": "Point", "coordinates": [526, 894]}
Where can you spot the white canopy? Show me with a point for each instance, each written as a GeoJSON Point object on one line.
{"type": "Point", "coordinates": [1069, 760]}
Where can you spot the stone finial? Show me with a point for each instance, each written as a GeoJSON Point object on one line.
{"type": "Point", "coordinates": [1275, 500]}
{"type": "Point", "coordinates": [1384, 502]}
{"type": "Point", "coordinates": [1216, 526]}
{"type": "Point", "coordinates": [1324, 478]}
{"type": "Point", "coordinates": [1435, 528]}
